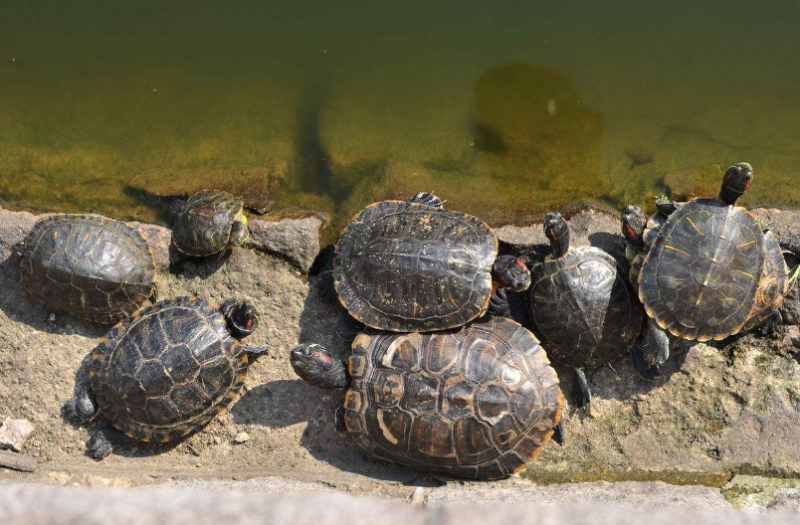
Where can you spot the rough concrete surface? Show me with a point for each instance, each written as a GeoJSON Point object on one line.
{"type": "Point", "coordinates": [716, 410]}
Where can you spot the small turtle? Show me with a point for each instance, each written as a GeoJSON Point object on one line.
{"type": "Point", "coordinates": [208, 223]}
{"type": "Point", "coordinates": [479, 402]}
{"type": "Point", "coordinates": [97, 268]}
{"type": "Point", "coordinates": [166, 371]}
{"type": "Point", "coordinates": [775, 280]}
{"type": "Point", "coordinates": [582, 307]}
{"type": "Point", "coordinates": [416, 267]}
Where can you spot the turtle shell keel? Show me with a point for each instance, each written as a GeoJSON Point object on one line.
{"type": "Point", "coordinates": [405, 267]}
{"type": "Point", "coordinates": [167, 370]}
{"type": "Point", "coordinates": [479, 402]}
{"type": "Point", "coordinates": [94, 267]}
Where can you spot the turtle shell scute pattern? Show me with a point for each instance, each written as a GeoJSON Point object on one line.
{"type": "Point", "coordinates": [97, 268]}
{"type": "Point", "coordinates": [167, 370]}
{"type": "Point", "coordinates": [583, 308]}
{"type": "Point", "coordinates": [203, 225]}
{"type": "Point", "coordinates": [700, 277]}
{"type": "Point", "coordinates": [479, 402]}
{"type": "Point", "coordinates": [773, 284]}
{"type": "Point", "coordinates": [408, 267]}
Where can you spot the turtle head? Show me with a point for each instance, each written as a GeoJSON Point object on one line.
{"type": "Point", "coordinates": [242, 317]}
{"type": "Point", "coordinates": [511, 273]}
{"type": "Point", "coordinates": [634, 221]}
{"type": "Point", "coordinates": [557, 231]}
{"type": "Point", "coordinates": [239, 232]}
{"type": "Point", "coordinates": [735, 182]}
{"type": "Point", "coordinates": [318, 367]}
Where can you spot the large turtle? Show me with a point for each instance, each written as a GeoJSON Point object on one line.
{"type": "Point", "coordinates": [414, 266]}
{"type": "Point", "coordinates": [166, 371]}
{"type": "Point", "coordinates": [479, 402]}
{"type": "Point", "coordinates": [584, 310]}
{"type": "Point", "coordinates": [700, 276]}
{"type": "Point", "coordinates": [209, 222]}
{"type": "Point", "coordinates": [97, 268]}
{"type": "Point", "coordinates": [776, 279]}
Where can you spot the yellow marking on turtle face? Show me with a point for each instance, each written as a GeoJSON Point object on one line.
{"type": "Point", "coordinates": [244, 219]}
{"type": "Point", "coordinates": [91, 373]}
{"type": "Point", "coordinates": [674, 249]}
{"type": "Point", "coordinates": [750, 275]}
{"type": "Point", "coordinates": [694, 226]}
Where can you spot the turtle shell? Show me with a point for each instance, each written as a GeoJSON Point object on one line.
{"type": "Point", "coordinates": [700, 276]}
{"type": "Point", "coordinates": [167, 370]}
{"type": "Point", "coordinates": [479, 402]}
{"type": "Point", "coordinates": [94, 267]}
{"type": "Point", "coordinates": [406, 267]}
{"type": "Point", "coordinates": [203, 225]}
{"type": "Point", "coordinates": [583, 308]}
{"type": "Point", "coordinates": [773, 284]}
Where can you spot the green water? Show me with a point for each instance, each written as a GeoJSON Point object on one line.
{"type": "Point", "coordinates": [505, 109]}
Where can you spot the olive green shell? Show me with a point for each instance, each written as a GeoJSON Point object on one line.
{"type": "Point", "coordinates": [167, 370]}
{"type": "Point", "coordinates": [406, 267]}
{"type": "Point", "coordinates": [203, 225]}
{"type": "Point", "coordinates": [583, 308]}
{"type": "Point", "coordinates": [480, 402]}
{"type": "Point", "coordinates": [773, 284]}
{"type": "Point", "coordinates": [97, 268]}
{"type": "Point", "coordinates": [700, 276]}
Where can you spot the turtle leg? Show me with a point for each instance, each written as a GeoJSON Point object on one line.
{"type": "Point", "coordinates": [83, 407]}
{"type": "Point", "coordinates": [325, 286]}
{"type": "Point", "coordinates": [772, 327]}
{"type": "Point", "coordinates": [102, 442]}
{"type": "Point", "coordinates": [499, 305]}
{"type": "Point", "coordinates": [427, 198]}
{"type": "Point", "coordinates": [583, 393]}
{"type": "Point", "coordinates": [558, 432]}
{"type": "Point", "coordinates": [650, 373]}
{"type": "Point", "coordinates": [653, 343]}
{"type": "Point", "coordinates": [348, 328]}
{"type": "Point", "coordinates": [338, 417]}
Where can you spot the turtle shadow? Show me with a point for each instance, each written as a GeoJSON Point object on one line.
{"type": "Point", "coordinates": [129, 448]}
{"type": "Point", "coordinates": [19, 306]}
{"type": "Point", "coordinates": [282, 403]}
{"type": "Point", "coordinates": [196, 267]}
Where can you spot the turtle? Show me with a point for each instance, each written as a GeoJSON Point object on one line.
{"type": "Point", "coordinates": [208, 223]}
{"type": "Point", "coordinates": [165, 371]}
{"type": "Point", "coordinates": [477, 402]}
{"type": "Point", "coordinates": [95, 267]}
{"type": "Point", "coordinates": [583, 309]}
{"type": "Point", "coordinates": [776, 279]}
{"type": "Point", "coordinates": [412, 266]}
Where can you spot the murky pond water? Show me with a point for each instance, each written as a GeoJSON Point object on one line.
{"type": "Point", "coordinates": [505, 109]}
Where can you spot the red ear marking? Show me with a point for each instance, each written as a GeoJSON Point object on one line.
{"type": "Point", "coordinates": [521, 264]}
{"type": "Point", "coordinates": [249, 325]}
{"type": "Point", "coordinates": [551, 234]}
{"type": "Point", "coordinates": [747, 185]}
{"type": "Point", "coordinates": [630, 232]}
{"type": "Point", "coordinates": [325, 357]}
{"type": "Point", "coordinates": [728, 176]}
{"type": "Point", "coordinates": [644, 218]}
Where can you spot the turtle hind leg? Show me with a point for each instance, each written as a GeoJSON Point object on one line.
{"type": "Point", "coordinates": [645, 370]}
{"type": "Point", "coordinates": [558, 432]}
{"type": "Point", "coordinates": [583, 393]}
{"type": "Point", "coordinates": [499, 305]}
{"type": "Point", "coordinates": [102, 442]}
{"type": "Point", "coordinates": [772, 327]}
{"type": "Point", "coordinates": [652, 344]}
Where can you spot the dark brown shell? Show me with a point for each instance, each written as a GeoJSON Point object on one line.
{"type": "Point", "coordinates": [773, 284]}
{"type": "Point", "coordinates": [479, 402]}
{"type": "Point", "coordinates": [583, 308]}
{"type": "Point", "coordinates": [700, 276]}
{"type": "Point", "coordinates": [203, 225]}
{"type": "Point", "coordinates": [94, 267]}
{"type": "Point", "coordinates": [408, 267]}
{"type": "Point", "coordinates": [167, 370]}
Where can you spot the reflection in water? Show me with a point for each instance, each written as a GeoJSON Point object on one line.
{"type": "Point", "coordinates": [534, 128]}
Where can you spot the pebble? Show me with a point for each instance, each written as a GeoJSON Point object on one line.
{"type": "Point", "coordinates": [14, 432]}
{"type": "Point", "coordinates": [241, 437]}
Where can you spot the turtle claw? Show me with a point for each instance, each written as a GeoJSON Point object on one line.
{"type": "Point", "coordinates": [101, 444]}
{"type": "Point", "coordinates": [645, 370]}
{"type": "Point", "coordinates": [583, 393]}
{"type": "Point", "coordinates": [499, 305]}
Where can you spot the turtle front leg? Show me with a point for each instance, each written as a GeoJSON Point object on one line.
{"type": "Point", "coordinates": [499, 305]}
{"type": "Point", "coordinates": [650, 351]}
{"type": "Point", "coordinates": [583, 393]}
{"type": "Point", "coordinates": [83, 407]}
{"type": "Point", "coordinates": [102, 442]}
{"type": "Point", "coordinates": [772, 326]}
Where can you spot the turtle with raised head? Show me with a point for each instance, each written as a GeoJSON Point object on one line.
{"type": "Point", "coordinates": [479, 402]}
{"type": "Point", "coordinates": [166, 371]}
{"type": "Point", "coordinates": [94, 267]}
{"type": "Point", "coordinates": [711, 269]}
{"type": "Point", "coordinates": [583, 309]}
{"type": "Point", "coordinates": [407, 266]}
{"type": "Point", "coordinates": [208, 223]}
